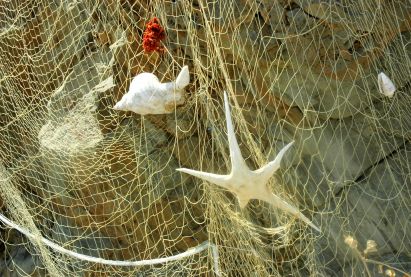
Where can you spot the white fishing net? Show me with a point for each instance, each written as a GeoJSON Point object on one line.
{"type": "Point", "coordinates": [86, 190]}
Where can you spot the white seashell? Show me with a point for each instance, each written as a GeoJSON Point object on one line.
{"type": "Point", "coordinates": [385, 85]}
{"type": "Point", "coordinates": [147, 95]}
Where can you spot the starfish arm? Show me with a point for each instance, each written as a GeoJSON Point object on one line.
{"type": "Point", "coordinates": [242, 202]}
{"type": "Point", "coordinates": [288, 208]}
{"type": "Point", "coordinates": [220, 180]}
{"type": "Point", "coordinates": [237, 160]}
{"type": "Point", "coordinates": [268, 170]}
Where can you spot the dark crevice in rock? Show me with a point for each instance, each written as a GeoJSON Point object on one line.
{"type": "Point", "coordinates": [356, 47]}
{"type": "Point", "coordinates": [386, 238]}
{"type": "Point", "coordinates": [259, 17]}
{"type": "Point", "coordinates": [340, 191]}
{"type": "Point", "coordinates": [291, 6]}
{"type": "Point", "coordinates": [312, 16]}
{"type": "Point", "coordinates": [369, 169]}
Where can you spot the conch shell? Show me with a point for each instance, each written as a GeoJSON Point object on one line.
{"type": "Point", "coordinates": [147, 95]}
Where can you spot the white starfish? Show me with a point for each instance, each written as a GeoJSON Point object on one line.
{"type": "Point", "coordinates": [245, 183]}
{"type": "Point", "coordinates": [147, 95]}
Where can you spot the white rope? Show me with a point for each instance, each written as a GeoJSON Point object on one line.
{"type": "Point", "coordinates": [192, 251]}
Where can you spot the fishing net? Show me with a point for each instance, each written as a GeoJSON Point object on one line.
{"type": "Point", "coordinates": [86, 190]}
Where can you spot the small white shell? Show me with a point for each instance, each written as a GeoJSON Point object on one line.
{"type": "Point", "coordinates": [385, 85]}
{"type": "Point", "coordinates": [147, 95]}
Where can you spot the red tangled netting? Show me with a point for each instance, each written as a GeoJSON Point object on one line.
{"type": "Point", "coordinates": [153, 35]}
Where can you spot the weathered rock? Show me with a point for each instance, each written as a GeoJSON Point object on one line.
{"type": "Point", "coordinates": [20, 262]}
{"type": "Point", "coordinates": [78, 156]}
{"type": "Point", "coordinates": [65, 41]}
{"type": "Point", "coordinates": [371, 209]}
{"type": "Point", "coordinates": [303, 70]}
{"type": "Point", "coordinates": [273, 13]}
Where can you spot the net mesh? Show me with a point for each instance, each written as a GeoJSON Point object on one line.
{"type": "Point", "coordinates": [89, 191]}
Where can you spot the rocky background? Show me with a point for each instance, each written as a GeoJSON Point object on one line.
{"type": "Point", "coordinates": [305, 70]}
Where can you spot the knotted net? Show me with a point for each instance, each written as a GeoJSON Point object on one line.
{"type": "Point", "coordinates": [89, 191]}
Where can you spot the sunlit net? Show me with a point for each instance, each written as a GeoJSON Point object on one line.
{"type": "Point", "coordinates": [79, 179]}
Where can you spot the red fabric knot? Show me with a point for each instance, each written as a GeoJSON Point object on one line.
{"type": "Point", "coordinates": [153, 35]}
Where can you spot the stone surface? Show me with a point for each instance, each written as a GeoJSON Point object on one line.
{"type": "Point", "coordinates": [372, 210]}
{"type": "Point", "coordinates": [20, 262]}
{"type": "Point", "coordinates": [306, 69]}
{"type": "Point", "coordinates": [78, 156]}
